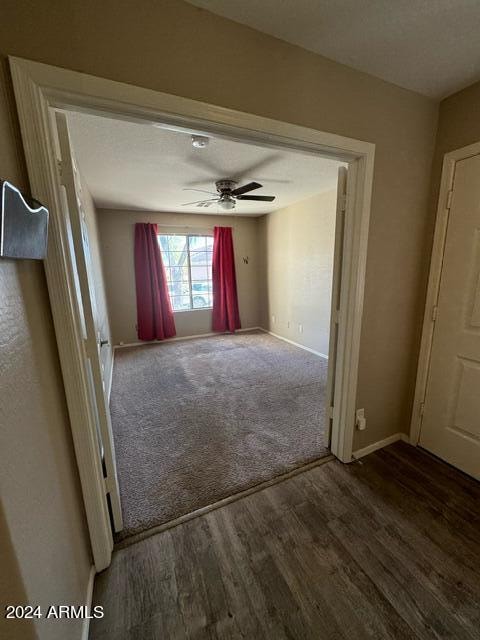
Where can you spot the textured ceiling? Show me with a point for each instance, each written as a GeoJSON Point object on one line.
{"type": "Point", "coordinates": [140, 166]}
{"type": "Point", "coordinates": [429, 46]}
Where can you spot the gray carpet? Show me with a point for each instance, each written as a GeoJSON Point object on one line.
{"type": "Point", "coordinates": [198, 420]}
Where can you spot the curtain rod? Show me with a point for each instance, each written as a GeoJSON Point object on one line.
{"type": "Point", "coordinates": [174, 230]}
{"type": "Point", "coordinates": [178, 226]}
{"type": "Point", "coordinates": [182, 226]}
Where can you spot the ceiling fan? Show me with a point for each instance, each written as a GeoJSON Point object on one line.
{"type": "Point", "coordinates": [228, 194]}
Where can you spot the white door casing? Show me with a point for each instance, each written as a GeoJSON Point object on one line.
{"type": "Point", "coordinates": [335, 300]}
{"type": "Point", "coordinates": [450, 425]}
{"type": "Point", "coordinates": [84, 277]}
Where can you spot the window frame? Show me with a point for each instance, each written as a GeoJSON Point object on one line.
{"type": "Point", "coordinates": [189, 269]}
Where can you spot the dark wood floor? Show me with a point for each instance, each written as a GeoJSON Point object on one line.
{"type": "Point", "coordinates": [388, 547]}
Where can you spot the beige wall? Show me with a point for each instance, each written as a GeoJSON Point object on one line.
{"type": "Point", "coordinates": [173, 47]}
{"type": "Point", "coordinates": [459, 124]}
{"type": "Point", "coordinates": [12, 588]}
{"type": "Point", "coordinates": [45, 551]}
{"type": "Point", "coordinates": [297, 245]}
{"type": "Point", "coordinates": [102, 315]}
{"type": "Point", "coordinates": [41, 499]}
{"type": "Point", "coordinates": [117, 243]}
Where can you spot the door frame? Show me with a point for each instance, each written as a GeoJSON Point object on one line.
{"type": "Point", "coordinates": [436, 265]}
{"type": "Point", "coordinates": [74, 205]}
{"type": "Point", "coordinates": [39, 88]}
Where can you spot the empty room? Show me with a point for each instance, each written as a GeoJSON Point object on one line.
{"type": "Point", "coordinates": [194, 419]}
{"type": "Point", "coordinates": [239, 320]}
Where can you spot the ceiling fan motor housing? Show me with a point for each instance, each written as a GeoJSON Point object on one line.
{"type": "Point", "coordinates": [229, 193]}
{"type": "Point", "coordinates": [225, 186]}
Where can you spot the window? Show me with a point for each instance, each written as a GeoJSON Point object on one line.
{"type": "Point", "coordinates": [188, 264]}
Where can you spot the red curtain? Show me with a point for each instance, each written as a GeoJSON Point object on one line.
{"type": "Point", "coordinates": [154, 308]}
{"type": "Point", "coordinates": [225, 302]}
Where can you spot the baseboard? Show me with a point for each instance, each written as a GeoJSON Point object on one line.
{"type": "Point", "coordinates": [88, 602]}
{"type": "Point", "coordinates": [296, 344]}
{"type": "Point", "coordinates": [360, 453]}
{"type": "Point", "coordinates": [180, 338]}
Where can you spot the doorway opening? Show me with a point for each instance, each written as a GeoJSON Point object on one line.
{"type": "Point", "coordinates": [202, 416]}
{"type": "Point", "coordinates": [56, 90]}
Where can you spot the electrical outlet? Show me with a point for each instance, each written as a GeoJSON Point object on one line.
{"type": "Point", "coordinates": [273, 319]}
{"type": "Point", "coordinates": [300, 328]}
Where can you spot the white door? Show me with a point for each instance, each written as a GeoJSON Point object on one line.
{"type": "Point", "coordinates": [451, 419]}
{"type": "Point", "coordinates": [335, 303]}
{"type": "Point", "coordinates": [92, 342]}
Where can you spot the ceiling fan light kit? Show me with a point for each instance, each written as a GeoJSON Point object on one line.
{"type": "Point", "coordinates": [227, 204]}
{"type": "Point", "coordinates": [229, 193]}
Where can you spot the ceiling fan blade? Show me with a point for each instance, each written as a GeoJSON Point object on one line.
{"type": "Point", "coordinates": [199, 160]}
{"type": "Point", "coordinates": [253, 169]}
{"type": "Point", "coordinates": [257, 198]}
{"type": "Point", "coordinates": [212, 193]}
{"type": "Point", "coordinates": [274, 181]}
{"type": "Point", "coordinates": [246, 187]}
{"type": "Point", "coordinates": [185, 204]}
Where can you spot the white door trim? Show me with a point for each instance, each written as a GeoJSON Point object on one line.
{"type": "Point", "coordinates": [38, 89]}
{"type": "Point", "coordinates": [75, 207]}
{"type": "Point", "coordinates": [333, 340]}
{"type": "Point", "coordinates": [441, 225]}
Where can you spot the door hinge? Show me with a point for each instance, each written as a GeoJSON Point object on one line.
{"type": "Point", "coordinates": [336, 316]}
{"type": "Point", "coordinates": [449, 199]}
{"type": "Point", "coordinates": [330, 412]}
{"type": "Point", "coordinates": [434, 312]}
{"type": "Point", "coordinates": [421, 409]}
{"type": "Point", "coordinates": [342, 201]}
